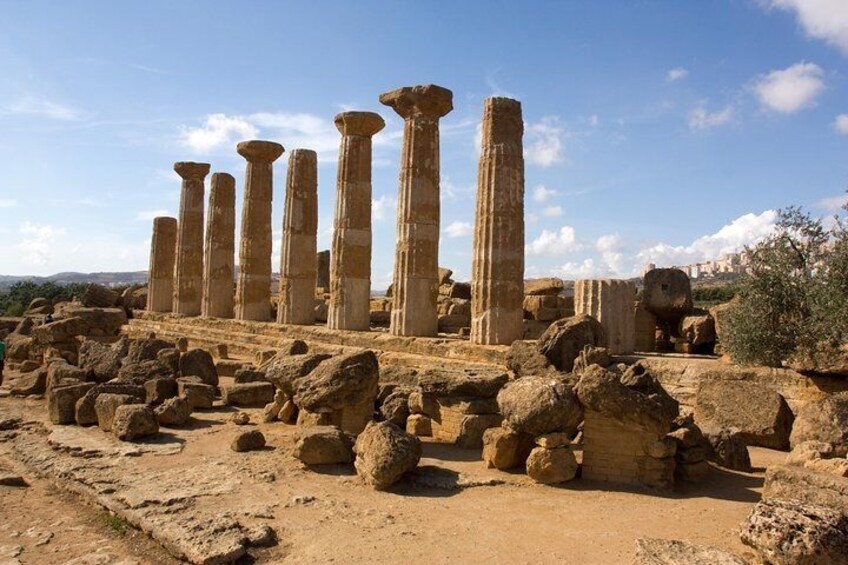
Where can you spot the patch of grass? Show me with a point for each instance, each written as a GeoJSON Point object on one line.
{"type": "Point", "coordinates": [115, 523]}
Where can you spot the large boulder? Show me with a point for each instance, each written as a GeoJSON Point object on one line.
{"type": "Point", "coordinates": [98, 321]}
{"type": "Point", "coordinates": [477, 383]}
{"type": "Point", "coordinates": [323, 445]}
{"type": "Point", "coordinates": [697, 328]}
{"type": "Point", "coordinates": [345, 380]}
{"type": "Point", "coordinates": [637, 377]}
{"type": "Point", "coordinates": [791, 533]}
{"type": "Point", "coordinates": [651, 551]}
{"type": "Point", "coordinates": [134, 421]}
{"type": "Point", "coordinates": [563, 341]}
{"type": "Point", "coordinates": [200, 395]}
{"type": "Point", "coordinates": [250, 440]}
{"type": "Point", "coordinates": [33, 382]}
{"type": "Point", "coordinates": [729, 450]}
{"type": "Point", "coordinates": [760, 414]}
{"type": "Point", "coordinates": [248, 394]}
{"type": "Point", "coordinates": [100, 361]}
{"type": "Point", "coordinates": [105, 406]}
{"type": "Point", "coordinates": [99, 296]}
{"type": "Point", "coordinates": [62, 401]}
{"type": "Point", "coordinates": [667, 293]}
{"type": "Point", "coordinates": [395, 407]}
{"type": "Point", "coordinates": [504, 448]}
{"type": "Point", "coordinates": [60, 331]}
{"type": "Point", "coordinates": [85, 412]}
{"type": "Point", "coordinates": [145, 350]}
{"type": "Point", "coordinates": [199, 363]}
{"type": "Point", "coordinates": [543, 287]}
{"type": "Point", "coordinates": [540, 405]}
{"type": "Point", "coordinates": [602, 391]}
{"type": "Point", "coordinates": [143, 371]}
{"type": "Point", "coordinates": [60, 372]}
{"type": "Point", "coordinates": [551, 466]}
{"type": "Point", "coordinates": [173, 412]}
{"type": "Point", "coordinates": [384, 453]}
{"type": "Point", "coordinates": [286, 372]}
{"type": "Point", "coordinates": [824, 420]}
{"type": "Point", "coordinates": [524, 359]}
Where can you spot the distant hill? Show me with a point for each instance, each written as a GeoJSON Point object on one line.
{"type": "Point", "coordinates": [106, 279]}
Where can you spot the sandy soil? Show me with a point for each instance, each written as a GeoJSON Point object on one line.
{"type": "Point", "coordinates": [452, 510]}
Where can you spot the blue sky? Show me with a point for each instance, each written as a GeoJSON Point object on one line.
{"type": "Point", "coordinates": [655, 131]}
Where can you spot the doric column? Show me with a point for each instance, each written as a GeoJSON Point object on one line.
{"type": "Point", "coordinates": [253, 291]}
{"type": "Point", "coordinates": [160, 277]}
{"type": "Point", "coordinates": [188, 272]}
{"type": "Point", "coordinates": [611, 303]}
{"type": "Point", "coordinates": [416, 275]}
{"type": "Point", "coordinates": [497, 269]}
{"type": "Point", "coordinates": [300, 240]}
{"type": "Point", "coordinates": [219, 255]}
{"type": "Point", "coordinates": [350, 258]}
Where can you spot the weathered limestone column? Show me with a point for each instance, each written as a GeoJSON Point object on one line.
{"type": "Point", "coordinates": [160, 277]}
{"type": "Point", "coordinates": [350, 258]}
{"type": "Point", "coordinates": [300, 240]}
{"type": "Point", "coordinates": [219, 255]}
{"type": "Point", "coordinates": [611, 303]}
{"type": "Point", "coordinates": [416, 275]}
{"type": "Point", "coordinates": [322, 260]}
{"type": "Point", "coordinates": [497, 269]}
{"type": "Point", "coordinates": [253, 290]}
{"type": "Point", "coordinates": [188, 271]}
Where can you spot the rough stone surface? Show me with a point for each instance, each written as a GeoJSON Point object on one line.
{"type": "Point", "coordinates": [792, 533]}
{"type": "Point", "coordinates": [134, 421]}
{"type": "Point", "coordinates": [62, 401]}
{"type": "Point", "coordinates": [611, 302]}
{"type": "Point", "coordinates": [98, 296]}
{"type": "Point", "coordinates": [105, 406]}
{"type": "Point", "coordinates": [395, 407]}
{"type": "Point", "coordinates": [524, 359]}
{"type": "Point", "coordinates": [219, 250]}
{"type": "Point", "coordinates": [650, 551]}
{"type": "Point", "coordinates": [350, 259]}
{"type": "Point", "coordinates": [697, 328]}
{"type": "Point", "coordinates": [540, 405]}
{"type": "Point", "coordinates": [603, 392]}
{"type": "Point", "coordinates": [416, 275]}
{"type": "Point", "coordinates": [86, 408]}
{"type": "Point", "coordinates": [497, 278]}
{"type": "Point", "coordinates": [761, 415]}
{"type": "Point", "coordinates": [173, 412]}
{"type": "Point", "coordinates": [458, 383]}
{"type": "Point", "coordinates": [730, 451]}
{"type": "Point", "coordinates": [102, 362]}
{"type": "Point", "coordinates": [826, 421]}
{"type": "Point", "coordinates": [543, 287]}
{"type": "Point", "coordinates": [250, 440]}
{"type": "Point", "coordinates": [551, 466]}
{"type": "Point", "coordinates": [199, 395]}
{"type": "Point", "coordinates": [188, 267]}
{"type": "Point", "coordinates": [160, 286]}
{"type": "Point", "coordinates": [199, 363]}
{"type": "Point", "coordinates": [342, 381]}
{"type": "Point", "coordinates": [286, 372]}
{"type": "Point", "coordinates": [146, 349]}
{"type": "Point", "coordinates": [384, 453]}
{"type": "Point", "coordinates": [504, 448]}
{"type": "Point", "coordinates": [323, 445]}
{"type": "Point", "coordinates": [248, 394]}
{"type": "Point", "coordinates": [667, 293]}
{"type": "Point", "coordinates": [563, 341]}
{"type": "Point", "coordinates": [140, 373]}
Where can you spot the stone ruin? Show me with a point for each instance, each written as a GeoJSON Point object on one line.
{"type": "Point", "coordinates": [571, 390]}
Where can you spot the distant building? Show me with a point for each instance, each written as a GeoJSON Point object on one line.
{"type": "Point", "coordinates": [736, 263]}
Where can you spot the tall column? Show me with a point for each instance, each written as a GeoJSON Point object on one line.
{"type": "Point", "coordinates": [416, 275]}
{"type": "Point", "coordinates": [219, 255]}
{"type": "Point", "coordinates": [497, 277]}
{"type": "Point", "coordinates": [350, 258]}
{"type": "Point", "coordinates": [611, 303]}
{"type": "Point", "coordinates": [300, 240]}
{"type": "Point", "coordinates": [160, 277]}
{"type": "Point", "coordinates": [188, 272]}
{"type": "Point", "coordinates": [253, 291]}
{"type": "Point", "coordinates": [322, 260]}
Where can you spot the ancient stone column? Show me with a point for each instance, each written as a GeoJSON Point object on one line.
{"type": "Point", "coordinates": [219, 255]}
{"type": "Point", "coordinates": [611, 303]}
{"type": "Point", "coordinates": [497, 269]}
{"type": "Point", "coordinates": [322, 260]}
{"type": "Point", "coordinates": [300, 240]}
{"type": "Point", "coordinates": [253, 290]}
{"type": "Point", "coordinates": [188, 271]}
{"type": "Point", "coordinates": [160, 278]}
{"type": "Point", "coordinates": [416, 275]}
{"type": "Point", "coordinates": [350, 258]}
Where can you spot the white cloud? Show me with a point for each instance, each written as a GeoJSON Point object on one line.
{"type": "Point", "coordinates": [791, 89]}
{"type": "Point", "coordinates": [148, 215]}
{"type": "Point", "coordinates": [552, 211]}
{"type": "Point", "coordinates": [841, 124]}
{"type": "Point", "coordinates": [543, 143]}
{"type": "Point", "coordinates": [217, 131]}
{"type": "Point", "coordinates": [541, 193]}
{"type": "Point", "coordinates": [7, 202]}
{"type": "Point", "coordinates": [609, 242]}
{"type": "Point", "coordinates": [36, 244]}
{"type": "Point", "coordinates": [821, 19]}
{"type": "Point", "coordinates": [458, 229]}
{"type": "Point", "coordinates": [585, 269]}
{"type": "Point", "coordinates": [701, 118]}
{"type": "Point", "coordinates": [678, 73]}
{"type": "Point", "coordinates": [33, 106]}
{"type": "Point", "coordinates": [833, 203]}
{"type": "Point", "coordinates": [554, 243]}
{"type": "Point", "coordinates": [383, 207]}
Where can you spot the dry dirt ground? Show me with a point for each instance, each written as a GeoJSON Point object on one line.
{"type": "Point", "coordinates": [200, 499]}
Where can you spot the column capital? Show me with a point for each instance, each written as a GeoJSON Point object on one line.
{"type": "Point", "coordinates": [260, 151]}
{"type": "Point", "coordinates": [428, 100]}
{"type": "Point", "coordinates": [359, 123]}
{"type": "Point", "coordinates": [189, 170]}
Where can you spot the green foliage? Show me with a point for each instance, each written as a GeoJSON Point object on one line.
{"type": "Point", "coordinates": [15, 301]}
{"type": "Point", "coordinates": [714, 294]}
{"type": "Point", "coordinates": [796, 295]}
{"type": "Point", "coordinates": [115, 523]}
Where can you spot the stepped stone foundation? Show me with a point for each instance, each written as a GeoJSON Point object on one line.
{"type": "Point", "coordinates": [188, 270]}
{"type": "Point", "coordinates": [416, 275]}
{"type": "Point", "coordinates": [611, 303]}
{"type": "Point", "coordinates": [253, 291]}
{"type": "Point", "coordinates": [219, 259]}
{"type": "Point", "coordinates": [350, 259]}
{"type": "Point", "coordinates": [300, 236]}
{"type": "Point", "coordinates": [163, 246]}
{"type": "Point", "coordinates": [497, 285]}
